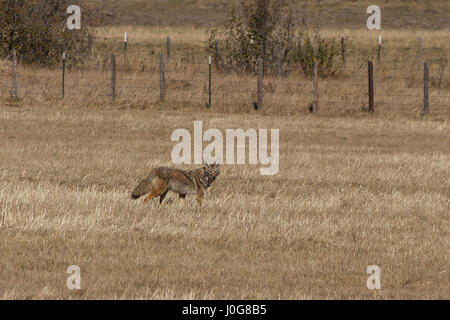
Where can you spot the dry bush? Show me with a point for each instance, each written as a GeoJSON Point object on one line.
{"type": "Point", "coordinates": [274, 32]}
{"type": "Point", "coordinates": [37, 30]}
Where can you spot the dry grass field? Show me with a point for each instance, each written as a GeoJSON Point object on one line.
{"type": "Point", "coordinates": [350, 193]}
{"type": "Point", "coordinates": [354, 189]}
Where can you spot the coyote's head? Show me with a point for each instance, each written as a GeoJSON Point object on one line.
{"type": "Point", "coordinates": [210, 172]}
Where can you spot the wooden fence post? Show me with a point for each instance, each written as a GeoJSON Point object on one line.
{"type": "Point", "coordinates": [14, 75]}
{"type": "Point", "coordinates": [426, 102]}
{"type": "Point", "coordinates": [419, 50]}
{"type": "Point", "coordinates": [168, 48]}
{"type": "Point", "coordinates": [63, 72]}
{"type": "Point", "coordinates": [259, 87]}
{"type": "Point", "coordinates": [343, 49]}
{"type": "Point", "coordinates": [371, 95]}
{"type": "Point", "coordinates": [113, 76]}
{"type": "Point", "coordinates": [162, 93]}
{"type": "Point", "coordinates": [316, 87]}
{"type": "Point", "coordinates": [210, 80]}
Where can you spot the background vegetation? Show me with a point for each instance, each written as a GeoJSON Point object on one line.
{"type": "Point", "coordinates": [37, 31]}
{"type": "Point", "coordinates": [272, 31]}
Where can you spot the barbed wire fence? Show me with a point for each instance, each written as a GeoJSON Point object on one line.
{"type": "Point", "coordinates": [181, 80]}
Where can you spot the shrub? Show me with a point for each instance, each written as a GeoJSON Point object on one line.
{"type": "Point", "coordinates": [37, 30]}
{"type": "Point", "coordinates": [271, 30]}
{"type": "Point", "coordinates": [315, 48]}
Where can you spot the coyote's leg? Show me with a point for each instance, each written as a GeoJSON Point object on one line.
{"type": "Point", "coordinates": [200, 196]}
{"type": "Point", "coordinates": [158, 187]}
{"type": "Point", "coordinates": [182, 196]}
{"type": "Point", "coordinates": [152, 195]}
{"type": "Point", "coordinates": [163, 195]}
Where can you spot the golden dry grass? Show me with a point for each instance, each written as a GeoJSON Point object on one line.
{"type": "Point", "coordinates": [353, 189]}
{"type": "Point", "coordinates": [350, 193]}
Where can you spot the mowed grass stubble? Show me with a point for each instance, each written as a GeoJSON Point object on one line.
{"type": "Point", "coordinates": [351, 192]}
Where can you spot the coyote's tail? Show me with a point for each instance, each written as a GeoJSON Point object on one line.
{"type": "Point", "coordinates": [142, 188]}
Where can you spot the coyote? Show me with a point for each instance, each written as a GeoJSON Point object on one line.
{"type": "Point", "coordinates": [162, 180]}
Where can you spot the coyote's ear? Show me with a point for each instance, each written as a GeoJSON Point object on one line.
{"type": "Point", "coordinates": [214, 164]}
